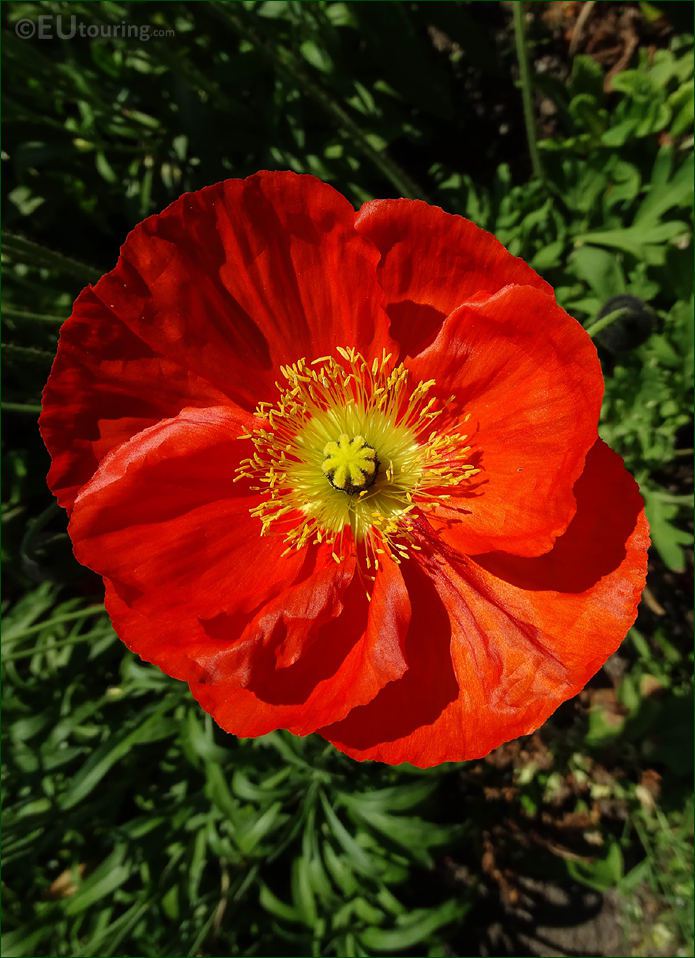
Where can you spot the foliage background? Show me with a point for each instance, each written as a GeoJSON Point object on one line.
{"type": "Point", "coordinates": [132, 826]}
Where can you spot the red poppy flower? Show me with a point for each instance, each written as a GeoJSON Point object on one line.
{"type": "Point", "coordinates": [341, 473]}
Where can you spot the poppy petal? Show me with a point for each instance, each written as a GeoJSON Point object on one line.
{"type": "Point", "coordinates": [431, 262]}
{"type": "Point", "coordinates": [208, 299]}
{"type": "Point", "coordinates": [530, 378]}
{"type": "Point", "coordinates": [164, 522]}
{"type": "Point", "coordinates": [344, 651]}
{"type": "Point", "coordinates": [497, 644]}
{"type": "Point", "coordinates": [105, 386]}
{"type": "Point", "coordinates": [266, 642]}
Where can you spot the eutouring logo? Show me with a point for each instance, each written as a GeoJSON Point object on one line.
{"type": "Point", "coordinates": [50, 27]}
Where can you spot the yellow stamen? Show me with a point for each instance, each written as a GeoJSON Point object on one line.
{"type": "Point", "coordinates": [350, 445]}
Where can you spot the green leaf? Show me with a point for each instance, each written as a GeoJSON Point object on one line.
{"type": "Point", "coordinates": [24, 940]}
{"type": "Point", "coordinates": [414, 835]}
{"type": "Point", "coordinates": [549, 256]}
{"type": "Point", "coordinates": [666, 192]}
{"type": "Point", "coordinates": [600, 270]}
{"type": "Point", "coordinates": [358, 856]}
{"type": "Point", "coordinates": [112, 751]}
{"type": "Point", "coordinates": [302, 892]}
{"type": "Point", "coordinates": [586, 77]}
{"type": "Point", "coordinates": [103, 881]}
{"type": "Point", "coordinates": [249, 836]}
{"type": "Point", "coordinates": [316, 56]}
{"type": "Point", "coordinates": [599, 873]}
{"type": "Point", "coordinates": [217, 790]}
{"type": "Point", "coordinates": [668, 539]}
{"type": "Point", "coordinates": [395, 799]}
{"type": "Point", "coordinates": [645, 242]}
{"type": "Point", "coordinates": [419, 925]}
{"type": "Point", "coordinates": [272, 904]}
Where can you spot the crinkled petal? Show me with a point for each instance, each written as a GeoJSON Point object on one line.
{"type": "Point", "coordinates": [208, 299]}
{"type": "Point", "coordinates": [106, 385]}
{"type": "Point", "coordinates": [317, 652]}
{"type": "Point", "coordinates": [163, 520]}
{"type": "Point", "coordinates": [497, 644]}
{"type": "Point", "coordinates": [431, 262]}
{"type": "Point", "coordinates": [266, 640]}
{"type": "Point", "coordinates": [530, 379]}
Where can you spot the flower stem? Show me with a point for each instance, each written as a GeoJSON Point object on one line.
{"type": "Point", "coordinates": [526, 88]}
{"type": "Point", "coordinates": [31, 408]}
{"type": "Point", "coordinates": [593, 328]}
{"type": "Point", "coordinates": [25, 315]}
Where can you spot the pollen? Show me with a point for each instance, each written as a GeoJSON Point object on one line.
{"type": "Point", "coordinates": [353, 454]}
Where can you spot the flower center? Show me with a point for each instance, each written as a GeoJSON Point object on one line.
{"type": "Point", "coordinates": [350, 464]}
{"type": "Point", "coordinates": [350, 454]}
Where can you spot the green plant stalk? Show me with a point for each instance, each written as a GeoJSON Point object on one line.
{"type": "Point", "coordinates": [526, 89]}
{"type": "Point", "coordinates": [31, 353]}
{"type": "Point", "coordinates": [33, 408]}
{"type": "Point", "coordinates": [594, 328]}
{"type": "Point", "coordinates": [26, 315]}
{"type": "Point", "coordinates": [56, 620]}
{"type": "Point", "coordinates": [53, 647]}
{"type": "Point", "coordinates": [34, 254]}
